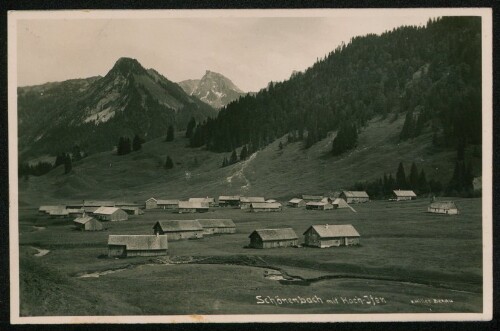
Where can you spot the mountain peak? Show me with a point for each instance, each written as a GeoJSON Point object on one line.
{"type": "Point", "coordinates": [126, 65]}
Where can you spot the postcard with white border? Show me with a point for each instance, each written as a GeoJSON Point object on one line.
{"type": "Point", "coordinates": [312, 165]}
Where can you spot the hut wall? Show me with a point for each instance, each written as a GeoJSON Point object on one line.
{"type": "Point", "coordinates": [93, 226]}
{"type": "Point", "coordinates": [119, 215]}
{"type": "Point", "coordinates": [155, 252]}
{"type": "Point", "coordinates": [330, 242]}
{"type": "Point", "coordinates": [151, 204]}
{"type": "Point", "coordinates": [187, 210]}
{"type": "Point", "coordinates": [280, 243]}
{"type": "Point", "coordinates": [171, 236]}
{"type": "Point", "coordinates": [116, 251]}
{"type": "Point", "coordinates": [351, 241]}
{"type": "Point", "coordinates": [260, 210]}
{"type": "Point", "coordinates": [311, 239]}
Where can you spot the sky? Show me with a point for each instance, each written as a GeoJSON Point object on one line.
{"type": "Point", "coordinates": [251, 51]}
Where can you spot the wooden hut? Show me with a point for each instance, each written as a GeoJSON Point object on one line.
{"type": "Point", "coordinates": [87, 223]}
{"type": "Point", "coordinates": [112, 214]}
{"type": "Point", "coordinates": [132, 210]}
{"type": "Point", "coordinates": [326, 235]}
{"type": "Point", "coordinates": [318, 205]}
{"type": "Point", "coordinates": [179, 229]}
{"type": "Point", "coordinates": [151, 203]}
{"type": "Point", "coordinates": [272, 238]}
{"type": "Point", "coordinates": [213, 226]}
{"type": "Point", "coordinates": [47, 209]}
{"type": "Point", "coordinates": [296, 203]}
{"type": "Point", "coordinates": [339, 203]}
{"type": "Point", "coordinates": [229, 201]}
{"type": "Point", "coordinates": [168, 204]}
{"type": "Point", "coordinates": [257, 207]}
{"type": "Point", "coordinates": [443, 207]}
{"type": "Point", "coordinates": [355, 196]}
{"type": "Point", "coordinates": [210, 201]}
{"type": "Point", "coordinates": [309, 197]}
{"type": "Point", "coordinates": [192, 207]}
{"type": "Point", "coordinates": [245, 202]}
{"type": "Point", "coordinates": [402, 195]}
{"type": "Point", "coordinates": [137, 245]}
{"type": "Point", "coordinates": [59, 212]}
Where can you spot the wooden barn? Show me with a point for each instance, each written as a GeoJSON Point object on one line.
{"type": "Point", "coordinates": [257, 207]}
{"type": "Point", "coordinates": [59, 212]}
{"type": "Point", "coordinates": [192, 207]}
{"type": "Point", "coordinates": [443, 207]}
{"type": "Point", "coordinates": [229, 201]}
{"type": "Point", "coordinates": [168, 204]}
{"type": "Point", "coordinates": [151, 203]}
{"type": "Point", "coordinates": [87, 223]}
{"type": "Point", "coordinates": [272, 238]}
{"type": "Point", "coordinates": [326, 235]}
{"type": "Point", "coordinates": [340, 203]}
{"type": "Point", "coordinates": [309, 197]}
{"type": "Point", "coordinates": [318, 205]}
{"type": "Point", "coordinates": [179, 229]}
{"type": "Point", "coordinates": [296, 203]}
{"type": "Point", "coordinates": [132, 210]}
{"type": "Point", "coordinates": [112, 214]}
{"type": "Point", "coordinates": [213, 226]}
{"type": "Point", "coordinates": [47, 209]}
{"type": "Point", "coordinates": [355, 196]}
{"type": "Point", "coordinates": [137, 245]}
{"type": "Point", "coordinates": [210, 201]}
{"type": "Point", "coordinates": [402, 195]}
{"type": "Point", "coordinates": [245, 202]}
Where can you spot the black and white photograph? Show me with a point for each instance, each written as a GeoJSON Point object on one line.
{"type": "Point", "coordinates": [312, 165]}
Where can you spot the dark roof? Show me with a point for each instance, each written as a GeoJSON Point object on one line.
{"type": "Point", "coordinates": [216, 223]}
{"type": "Point", "coordinates": [333, 231]}
{"type": "Point", "coordinates": [179, 225]}
{"type": "Point", "coordinates": [275, 234]}
{"type": "Point", "coordinates": [139, 242]}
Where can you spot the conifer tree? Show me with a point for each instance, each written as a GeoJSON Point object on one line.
{"type": "Point", "coordinates": [137, 143]}
{"type": "Point", "coordinates": [170, 133]}
{"type": "Point", "coordinates": [244, 153]}
{"type": "Point", "coordinates": [190, 127]}
{"type": "Point", "coordinates": [401, 177]}
{"type": "Point", "coordinates": [169, 164]}
{"type": "Point", "coordinates": [224, 162]}
{"type": "Point", "coordinates": [234, 158]}
{"type": "Point", "coordinates": [408, 127]}
{"type": "Point", "coordinates": [67, 164]}
{"type": "Point", "coordinates": [413, 178]}
{"type": "Point", "coordinates": [423, 186]}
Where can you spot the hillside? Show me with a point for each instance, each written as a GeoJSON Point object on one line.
{"type": "Point", "coordinates": [213, 88]}
{"type": "Point", "coordinates": [93, 113]}
{"type": "Point", "coordinates": [270, 172]}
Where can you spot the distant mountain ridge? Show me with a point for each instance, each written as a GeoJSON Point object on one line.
{"type": "Point", "coordinates": [213, 88]}
{"type": "Point", "coordinates": [95, 112]}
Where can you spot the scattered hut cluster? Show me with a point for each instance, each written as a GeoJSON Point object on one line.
{"type": "Point", "coordinates": [192, 207]}
{"type": "Point", "coordinates": [296, 203]}
{"type": "Point", "coordinates": [112, 214]}
{"type": "Point", "coordinates": [246, 202]}
{"type": "Point", "coordinates": [229, 201]}
{"type": "Point", "coordinates": [318, 205]}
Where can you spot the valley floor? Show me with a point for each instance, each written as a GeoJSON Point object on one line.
{"type": "Point", "coordinates": [409, 261]}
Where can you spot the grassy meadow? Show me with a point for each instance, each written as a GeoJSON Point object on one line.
{"type": "Point", "coordinates": [406, 256]}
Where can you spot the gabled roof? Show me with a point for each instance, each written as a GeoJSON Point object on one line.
{"type": "Point", "coordinates": [296, 200]}
{"type": "Point", "coordinates": [275, 234]}
{"type": "Point", "coordinates": [84, 219]}
{"type": "Point", "coordinates": [216, 223]}
{"type": "Point", "coordinates": [191, 204]}
{"type": "Point", "coordinates": [340, 203]}
{"type": "Point", "coordinates": [167, 202]}
{"type": "Point", "coordinates": [311, 197]}
{"type": "Point", "coordinates": [355, 194]}
{"type": "Point", "coordinates": [401, 193]}
{"type": "Point", "coordinates": [252, 199]}
{"type": "Point", "coordinates": [443, 205]}
{"type": "Point", "coordinates": [139, 242]}
{"type": "Point", "coordinates": [271, 200]}
{"type": "Point", "coordinates": [58, 212]}
{"type": "Point", "coordinates": [151, 199]}
{"type": "Point", "coordinates": [48, 208]}
{"type": "Point", "coordinates": [332, 231]}
{"type": "Point", "coordinates": [266, 205]}
{"type": "Point", "coordinates": [179, 225]}
{"type": "Point", "coordinates": [98, 203]}
{"type": "Point", "coordinates": [106, 210]}
{"type": "Point", "coordinates": [229, 197]}
{"type": "Point", "coordinates": [207, 199]}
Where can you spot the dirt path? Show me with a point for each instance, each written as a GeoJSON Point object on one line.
{"type": "Point", "coordinates": [240, 173]}
{"type": "Point", "coordinates": [41, 252]}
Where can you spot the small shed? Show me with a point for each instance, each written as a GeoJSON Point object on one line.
{"type": "Point", "coordinates": [137, 245]}
{"type": "Point", "coordinates": [297, 202]}
{"type": "Point", "coordinates": [212, 226]}
{"type": "Point", "coordinates": [326, 235]}
{"type": "Point", "coordinates": [245, 202]}
{"type": "Point", "coordinates": [110, 214]}
{"type": "Point", "coordinates": [258, 207]}
{"type": "Point", "coordinates": [192, 207]}
{"type": "Point", "coordinates": [87, 223]}
{"type": "Point", "coordinates": [339, 203]}
{"type": "Point", "coordinates": [210, 201]}
{"type": "Point", "coordinates": [151, 203]}
{"type": "Point", "coordinates": [229, 201]}
{"type": "Point", "coordinates": [443, 207]}
{"type": "Point", "coordinates": [402, 195]}
{"type": "Point", "coordinates": [309, 197]}
{"type": "Point", "coordinates": [318, 205]}
{"type": "Point", "coordinates": [272, 238]}
{"type": "Point", "coordinates": [179, 229]}
{"type": "Point", "coordinates": [168, 204]}
{"type": "Point", "coordinates": [355, 196]}
{"type": "Point", "coordinates": [132, 210]}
